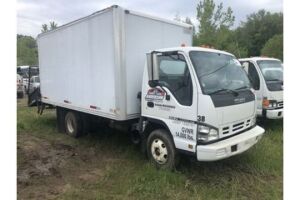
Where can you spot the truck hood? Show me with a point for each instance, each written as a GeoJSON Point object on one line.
{"type": "Point", "coordinates": [235, 113]}
{"type": "Point", "coordinates": [278, 95]}
{"type": "Point", "coordinates": [225, 109]}
{"type": "Point", "coordinates": [232, 108]}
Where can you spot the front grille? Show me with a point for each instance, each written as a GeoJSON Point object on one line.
{"type": "Point", "coordinates": [280, 104]}
{"type": "Point", "coordinates": [234, 128]}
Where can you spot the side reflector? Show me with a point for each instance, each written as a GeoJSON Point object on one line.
{"type": "Point", "coordinates": [66, 101]}
{"type": "Point", "coordinates": [93, 107]}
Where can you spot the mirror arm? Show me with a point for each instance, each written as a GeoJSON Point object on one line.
{"type": "Point", "coordinates": [161, 86]}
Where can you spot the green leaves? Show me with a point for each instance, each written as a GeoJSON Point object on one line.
{"type": "Point", "coordinates": [211, 20]}
{"type": "Point", "coordinates": [53, 25]}
{"type": "Point", "coordinates": [26, 50]}
{"type": "Point", "coordinates": [258, 29]}
{"type": "Point", "coordinates": [215, 29]}
{"type": "Point", "coordinates": [274, 47]}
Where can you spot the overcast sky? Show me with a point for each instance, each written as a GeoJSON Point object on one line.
{"type": "Point", "coordinates": [31, 14]}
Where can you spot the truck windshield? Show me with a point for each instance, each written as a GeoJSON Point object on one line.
{"type": "Point", "coordinates": [272, 70]}
{"type": "Point", "coordinates": [218, 72]}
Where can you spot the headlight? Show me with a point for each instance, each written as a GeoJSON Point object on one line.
{"type": "Point", "coordinates": [273, 104]}
{"type": "Point", "coordinates": [206, 134]}
{"type": "Point", "coordinates": [269, 103]}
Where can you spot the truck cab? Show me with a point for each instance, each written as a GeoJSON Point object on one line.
{"type": "Point", "coordinates": [203, 99]}
{"type": "Point", "coordinates": [266, 75]}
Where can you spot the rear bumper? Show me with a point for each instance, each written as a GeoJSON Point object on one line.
{"type": "Point", "coordinates": [231, 146]}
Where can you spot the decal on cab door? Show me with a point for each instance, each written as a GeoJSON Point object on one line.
{"type": "Point", "coordinates": [155, 94]}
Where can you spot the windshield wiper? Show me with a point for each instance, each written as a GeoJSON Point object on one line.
{"type": "Point", "coordinates": [235, 93]}
{"type": "Point", "coordinates": [240, 88]}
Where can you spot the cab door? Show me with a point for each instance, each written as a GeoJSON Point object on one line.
{"type": "Point", "coordinates": [175, 101]}
{"type": "Point", "coordinates": [256, 83]}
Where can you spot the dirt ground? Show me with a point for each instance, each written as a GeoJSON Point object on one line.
{"type": "Point", "coordinates": [42, 173]}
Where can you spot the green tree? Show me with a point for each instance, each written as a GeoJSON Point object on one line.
{"type": "Point", "coordinates": [26, 50]}
{"type": "Point", "coordinates": [274, 47]}
{"type": "Point", "coordinates": [212, 20]}
{"type": "Point", "coordinates": [53, 25]}
{"type": "Point", "coordinates": [45, 28]}
{"type": "Point", "coordinates": [258, 29]}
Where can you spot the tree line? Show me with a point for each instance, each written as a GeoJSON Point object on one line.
{"type": "Point", "coordinates": [260, 34]}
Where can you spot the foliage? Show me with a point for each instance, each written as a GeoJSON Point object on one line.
{"type": "Point", "coordinates": [26, 50]}
{"type": "Point", "coordinates": [212, 21]}
{"type": "Point", "coordinates": [53, 25]}
{"type": "Point", "coordinates": [258, 29]}
{"type": "Point", "coordinates": [274, 47]}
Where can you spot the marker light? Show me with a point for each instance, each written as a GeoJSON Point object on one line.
{"type": "Point", "coordinates": [265, 102]}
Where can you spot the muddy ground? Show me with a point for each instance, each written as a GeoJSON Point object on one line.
{"type": "Point", "coordinates": [47, 169]}
{"type": "Point", "coordinates": [105, 165]}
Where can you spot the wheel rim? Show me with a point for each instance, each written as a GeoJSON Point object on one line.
{"type": "Point", "coordinates": [159, 151]}
{"type": "Point", "coordinates": [70, 125]}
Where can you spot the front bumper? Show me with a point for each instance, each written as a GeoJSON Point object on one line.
{"type": "Point", "coordinates": [231, 146]}
{"type": "Point", "coordinates": [274, 114]}
{"type": "Point", "coordinates": [20, 89]}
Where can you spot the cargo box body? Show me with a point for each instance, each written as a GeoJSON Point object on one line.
{"type": "Point", "coordinates": [95, 64]}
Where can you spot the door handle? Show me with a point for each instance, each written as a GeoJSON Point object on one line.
{"type": "Point", "coordinates": [150, 104]}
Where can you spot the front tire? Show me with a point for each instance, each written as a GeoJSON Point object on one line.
{"type": "Point", "coordinates": [161, 149]}
{"type": "Point", "coordinates": [73, 124]}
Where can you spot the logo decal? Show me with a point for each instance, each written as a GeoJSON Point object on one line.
{"type": "Point", "coordinates": [155, 94]}
{"type": "Point", "coordinates": [239, 100]}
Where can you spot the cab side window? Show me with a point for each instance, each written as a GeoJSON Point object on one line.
{"type": "Point", "coordinates": [253, 76]}
{"type": "Point", "coordinates": [174, 74]}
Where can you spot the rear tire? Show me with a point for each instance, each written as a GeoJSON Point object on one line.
{"type": "Point", "coordinates": [73, 124]}
{"type": "Point", "coordinates": [161, 149]}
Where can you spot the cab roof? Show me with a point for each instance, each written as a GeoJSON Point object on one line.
{"type": "Point", "coordinates": [189, 49]}
{"type": "Point", "coordinates": [258, 58]}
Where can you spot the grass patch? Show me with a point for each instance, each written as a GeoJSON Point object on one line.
{"type": "Point", "coordinates": [126, 174]}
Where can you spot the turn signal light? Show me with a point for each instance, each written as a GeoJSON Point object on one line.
{"type": "Point", "coordinates": [266, 102]}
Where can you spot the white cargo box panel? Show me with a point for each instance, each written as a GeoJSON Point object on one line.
{"type": "Point", "coordinates": [95, 64]}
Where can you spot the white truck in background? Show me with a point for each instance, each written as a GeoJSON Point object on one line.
{"type": "Point", "coordinates": [266, 75]}
{"type": "Point", "coordinates": [117, 65]}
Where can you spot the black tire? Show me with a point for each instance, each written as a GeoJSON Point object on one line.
{"type": "Point", "coordinates": [73, 124]}
{"type": "Point", "coordinates": [60, 117]}
{"type": "Point", "coordinates": [20, 95]}
{"type": "Point", "coordinates": [164, 153]}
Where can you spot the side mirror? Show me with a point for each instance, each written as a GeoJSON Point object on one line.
{"type": "Point", "coordinates": [153, 71]}
{"type": "Point", "coordinates": [153, 83]}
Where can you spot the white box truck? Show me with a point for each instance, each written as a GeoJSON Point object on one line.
{"type": "Point", "coordinates": [129, 69]}
{"type": "Point", "coordinates": [266, 75]}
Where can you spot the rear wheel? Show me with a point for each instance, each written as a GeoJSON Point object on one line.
{"type": "Point", "coordinates": [73, 124]}
{"type": "Point", "coordinates": [161, 149]}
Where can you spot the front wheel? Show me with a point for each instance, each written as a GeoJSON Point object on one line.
{"type": "Point", "coordinates": [161, 149]}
